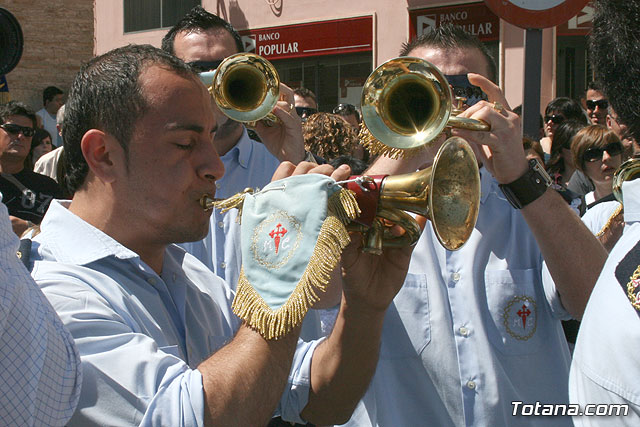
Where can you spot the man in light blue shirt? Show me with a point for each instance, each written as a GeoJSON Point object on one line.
{"type": "Point", "coordinates": [474, 330]}
{"type": "Point", "coordinates": [40, 375]}
{"type": "Point", "coordinates": [153, 325]}
{"type": "Point", "coordinates": [605, 365]}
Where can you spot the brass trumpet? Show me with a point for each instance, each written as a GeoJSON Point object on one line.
{"type": "Point", "coordinates": [246, 88]}
{"type": "Point", "coordinates": [407, 102]}
{"type": "Point", "coordinates": [627, 171]}
{"type": "Point", "coordinates": [447, 193]}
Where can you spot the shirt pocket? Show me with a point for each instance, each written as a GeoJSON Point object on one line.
{"type": "Point", "coordinates": [515, 311]}
{"type": "Point", "coordinates": [407, 330]}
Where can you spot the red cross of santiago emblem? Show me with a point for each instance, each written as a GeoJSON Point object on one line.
{"type": "Point", "coordinates": [276, 234]}
{"type": "Point", "coordinates": [524, 312]}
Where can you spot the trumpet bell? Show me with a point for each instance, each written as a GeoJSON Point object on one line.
{"type": "Point", "coordinates": [448, 193]}
{"type": "Point", "coordinates": [627, 171]}
{"type": "Point", "coordinates": [246, 87]}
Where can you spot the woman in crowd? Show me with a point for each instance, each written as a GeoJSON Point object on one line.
{"type": "Point", "coordinates": [560, 165]}
{"type": "Point", "coordinates": [40, 145]}
{"type": "Point", "coordinates": [597, 152]}
{"type": "Point", "coordinates": [557, 111]}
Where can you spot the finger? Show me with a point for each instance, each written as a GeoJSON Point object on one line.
{"type": "Point", "coordinates": [341, 173]}
{"type": "Point", "coordinates": [491, 89]}
{"type": "Point", "coordinates": [307, 167]}
{"type": "Point", "coordinates": [283, 171]}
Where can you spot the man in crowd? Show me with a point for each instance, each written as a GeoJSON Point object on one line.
{"type": "Point", "coordinates": [605, 363]}
{"type": "Point", "coordinates": [596, 104]}
{"type": "Point", "coordinates": [25, 193]}
{"type": "Point", "coordinates": [40, 373]}
{"type": "Point", "coordinates": [473, 330]}
{"type": "Point", "coordinates": [49, 164]}
{"type": "Point", "coordinates": [52, 98]}
{"type": "Point", "coordinates": [203, 40]}
{"type": "Point", "coordinates": [154, 327]}
{"type": "Point", "coordinates": [622, 130]}
{"type": "Point", "coordinates": [306, 102]}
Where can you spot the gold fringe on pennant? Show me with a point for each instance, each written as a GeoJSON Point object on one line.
{"type": "Point", "coordinates": [333, 238]}
{"type": "Point", "coordinates": [375, 147]}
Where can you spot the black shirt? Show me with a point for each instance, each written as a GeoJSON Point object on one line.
{"type": "Point", "coordinates": [31, 199]}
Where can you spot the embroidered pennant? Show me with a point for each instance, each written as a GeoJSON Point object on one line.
{"type": "Point", "coordinates": [293, 234]}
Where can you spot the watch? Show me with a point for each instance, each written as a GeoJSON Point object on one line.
{"type": "Point", "coordinates": [528, 187]}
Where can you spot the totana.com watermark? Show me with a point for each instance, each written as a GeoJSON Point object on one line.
{"type": "Point", "coordinates": [554, 410]}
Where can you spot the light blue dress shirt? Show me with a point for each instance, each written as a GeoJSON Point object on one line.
{"type": "Point", "coordinates": [141, 335]}
{"type": "Point", "coordinates": [247, 165]}
{"type": "Point", "coordinates": [471, 331]}
{"type": "Point", "coordinates": [40, 375]}
{"type": "Point", "coordinates": [606, 361]}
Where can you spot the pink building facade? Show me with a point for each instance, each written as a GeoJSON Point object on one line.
{"type": "Point", "coordinates": [331, 46]}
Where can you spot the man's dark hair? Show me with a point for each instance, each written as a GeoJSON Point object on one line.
{"type": "Point", "coordinates": [615, 56]}
{"type": "Point", "coordinates": [106, 95]}
{"type": "Point", "coordinates": [198, 20]}
{"type": "Point", "coordinates": [451, 36]}
{"type": "Point", "coordinates": [305, 93]}
{"type": "Point", "coordinates": [569, 108]}
{"type": "Point", "coordinates": [594, 85]}
{"type": "Point", "coordinates": [49, 93]}
{"type": "Point", "coordinates": [17, 108]}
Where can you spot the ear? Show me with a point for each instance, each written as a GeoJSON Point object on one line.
{"type": "Point", "coordinates": [103, 154]}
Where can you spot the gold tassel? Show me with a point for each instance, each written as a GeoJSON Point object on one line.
{"type": "Point", "coordinates": [235, 201]}
{"type": "Point", "coordinates": [332, 239]}
{"type": "Point", "coordinates": [376, 147]}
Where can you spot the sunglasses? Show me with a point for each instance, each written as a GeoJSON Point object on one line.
{"type": "Point", "coordinates": [202, 66]}
{"type": "Point", "coordinates": [305, 112]}
{"type": "Point", "coordinates": [16, 129]}
{"type": "Point", "coordinates": [344, 109]}
{"type": "Point", "coordinates": [555, 119]}
{"type": "Point", "coordinates": [595, 153]}
{"type": "Point", "coordinates": [593, 103]}
{"type": "Point", "coordinates": [462, 88]}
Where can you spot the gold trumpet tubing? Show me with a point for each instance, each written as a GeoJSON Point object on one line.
{"type": "Point", "coordinates": [627, 171]}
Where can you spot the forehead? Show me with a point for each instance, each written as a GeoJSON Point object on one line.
{"type": "Point", "coordinates": [594, 94]}
{"type": "Point", "coordinates": [301, 101]}
{"type": "Point", "coordinates": [174, 98]}
{"type": "Point", "coordinates": [454, 61]}
{"type": "Point", "coordinates": [210, 45]}
{"type": "Point", "coordinates": [19, 120]}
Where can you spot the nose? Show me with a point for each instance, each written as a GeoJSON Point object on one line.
{"type": "Point", "coordinates": [211, 167]}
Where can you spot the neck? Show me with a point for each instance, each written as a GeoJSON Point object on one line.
{"type": "Point", "coordinates": [602, 190]}
{"type": "Point", "coordinates": [224, 141]}
{"type": "Point", "coordinates": [105, 216]}
{"type": "Point", "coordinates": [10, 165]}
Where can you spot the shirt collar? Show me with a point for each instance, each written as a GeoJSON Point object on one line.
{"type": "Point", "coordinates": [241, 151]}
{"type": "Point", "coordinates": [74, 241]}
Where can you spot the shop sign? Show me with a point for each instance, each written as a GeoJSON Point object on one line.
{"type": "Point", "coordinates": [475, 18]}
{"type": "Point", "coordinates": [311, 39]}
{"type": "Point", "coordinates": [579, 25]}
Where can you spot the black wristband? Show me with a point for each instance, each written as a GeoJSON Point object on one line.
{"type": "Point", "coordinates": [528, 187]}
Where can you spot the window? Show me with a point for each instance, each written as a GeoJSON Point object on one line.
{"type": "Point", "coordinates": [140, 15]}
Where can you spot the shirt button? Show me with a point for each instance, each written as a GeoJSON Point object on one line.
{"type": "Point", "coordinates": [464, 331]}
{"type": "Point", "coordinates": [223, 265]}
{"type": "Point", "coordinates": [220, 224]}
{"type": "Point", "coordinates": [471, 385]}
{"type": "Point", "coordinates": [217, 185]}
{"type": "Point", "coordinates": [456, 277]}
